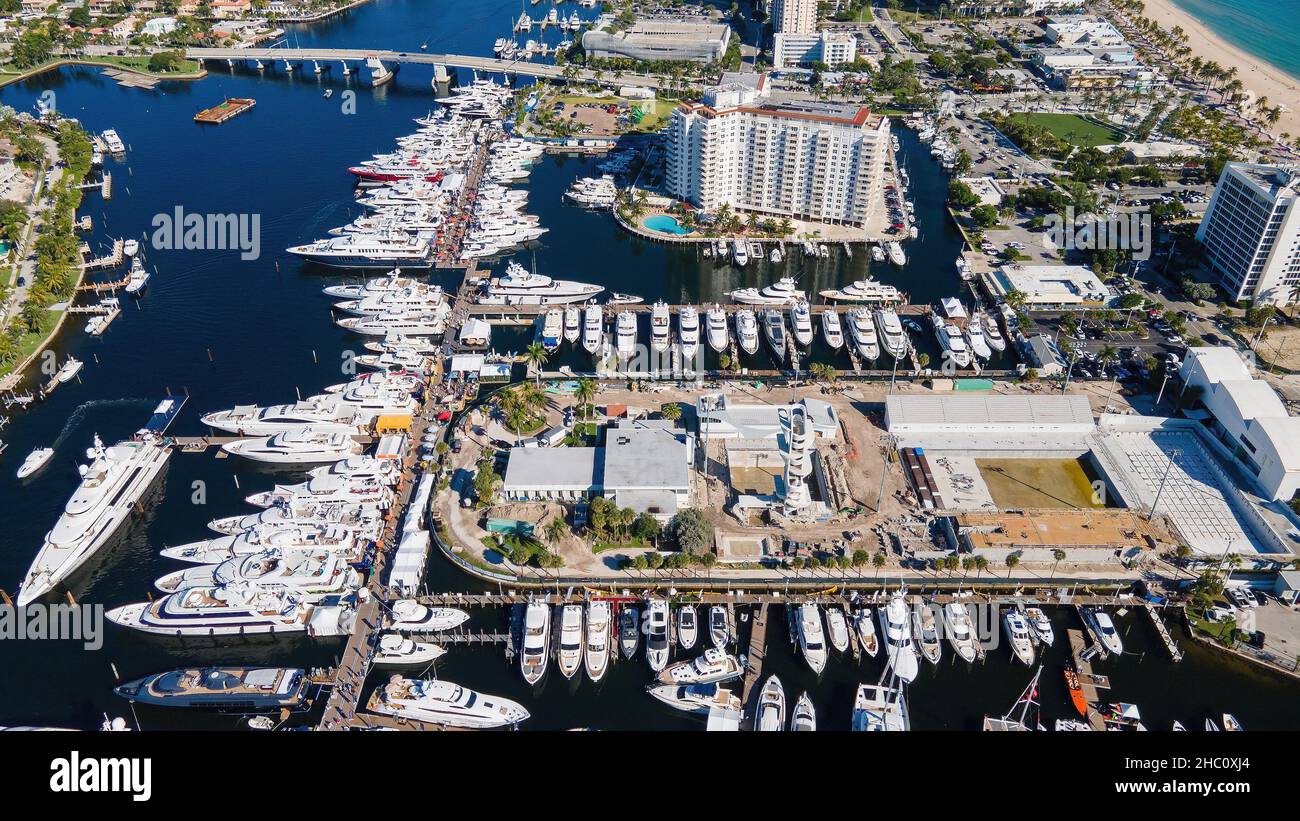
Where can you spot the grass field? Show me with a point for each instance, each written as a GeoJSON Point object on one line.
{"type": "Point", "coordinates": [1074, 129]}
{"type": "Point", "coordinates": [1041, 483]}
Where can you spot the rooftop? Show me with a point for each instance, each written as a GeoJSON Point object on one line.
{"type": "Point", "coordinates": [987, 410]}
{"type": "Point", "coordinates": [646, 455]}
{"type": "Point", "coordinates": [553, 468]}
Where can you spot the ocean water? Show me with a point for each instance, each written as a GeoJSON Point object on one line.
{"type": "Point", "coordinates": [1267, 29]}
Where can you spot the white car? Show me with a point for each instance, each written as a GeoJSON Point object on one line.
{"type": "Point", "coordinates": [1241, 596]}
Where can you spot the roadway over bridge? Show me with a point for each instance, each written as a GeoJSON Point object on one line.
{"type": "Point", "coordinates": [486, 64]}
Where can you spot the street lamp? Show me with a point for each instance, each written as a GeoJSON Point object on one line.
{"type": "Point", "coordinates": [1173, 453]}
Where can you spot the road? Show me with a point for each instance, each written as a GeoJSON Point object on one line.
{"type": "Point", "coordinates": [26, 249]}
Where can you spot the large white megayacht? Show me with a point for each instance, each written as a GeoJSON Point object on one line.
{"type": "Point", "coordinates": [519, 286]}
{"type": "Point", "coordinates": [348, 412]}
{"type": "Point", "coordinates": [333, 538]}
{"type": "Point", "coordinates": [309, 574]}
{"type": "Point", "coordinates": [299, 446]}
{"type": "Point", "coordinates": [443, 702]}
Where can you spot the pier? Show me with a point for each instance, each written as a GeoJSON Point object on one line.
{"type": "Point", "coordinates": [231, 107]}
{"type": "Point", "coordinates": [1174, 652]}
{"type": "Point", "coordinates": [111, 260]}
{"type": "Point", "coordinates": [1089, 682]}
{"type": "Point", "coordinates": [754, 667]}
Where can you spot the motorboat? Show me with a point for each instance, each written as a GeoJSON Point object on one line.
{"type": "Point", "coordinates": [629, 630]}
{"type": "Point", "coordinates": [35, 460]}
{"type": "Point", "coordinates": [1231, 724]}
{"type": "Point", "coordinates": [747, 330]}
{"type": "Point", "coordinates": [688, 626]}
{"type": "Point", "coordinates": [801, 323]}
{"type": "Point", "coordinates": [656, 640]}
{"type": "Point", "coordinates": [880, 708]}
{"type": "Point", "coordinates": [409, 616]}
{"type": "Point", "coordinates": [597, 653]}
{"type": "Point", "coordinates": [519, 286]}
{"type": "Point", "coordinates": [975, 337]}
{"type": "Point", "coordinates": [660, 332]}
{"type": "Point", "coordinates": [593, 328]}
{"type": "Point", "coordinates": [616, 298]}
{"type": "Point", "coordinates": [812, 638]}
{"type": "Point", "coordinates": [863, 333]}
{"type": "Point", "coordinates": [896, 625]}
{"type": "Point", "coordinates": [137, 279]}
{"type": "Point", "coordinates": [349, 412]}
{"type": "Point", "coordinates": [895, 253]}
{"type": "Point", "coordinates": [719, 626]}
{"type": "Point", "coordinates": [696, 698]}
{"type": "Point", "coordinates": [832, 332]}
{"type": "Point", "coordinates": [113, 482]}
{"type": "Point", "coordinates": [865, 626]}
{"type": "Point", "coordinates": [229, 610]}
{"type": "Point", "coordinates": [537, 641]}
{"type": "Point", "coordinates": [551, 330]}
{"type": "Point", "coordinates": [1016, 628]}
{"type": "Point", "coordinates": [71, 367]}
{"type": "Point", "coordinates": [241, 690]}
{"type": "Point", "coordinates": [396, 650]}
{"type": "Point", "coordinates": [781, 292]}
{"type": "Point", "coordinates": [368, 250]}
{"type": "Point", "coordinates": [892, 336]}
{"type": "Point", "coordinates": [572, 324]}
{"type": "Point", "coordinates": [1072, 685]}
{"type": "Point", "coordinates": [625, 335]}
{"type": "Point", "coordinates": [421, 323]}
{"type": "Point", "coordinates": [1105, 628]}
{"type": "Point", "coordinates": [302, 446]}
{"type": "Point", "coordinates": [961, 634]}
{"type": "Point", "coordinates": [438, 701]}
{"type": "Point", "coordinates": [130, 247]}
{"type": "Point", "coordinates": [837, 629]}
{"type": "Point", "coordinates": [952, 341]}
{"type": "Point", "coordinates": [877, 253]}
{"type": "Point", "coordinates": [349, 541]}
{"type": "Point", "coordinates": [308, 574]}
{"type": "Point", "coordinates": [715, 324]}
{"type": "Point", "coordinates": [348, 488]}
{"type": "Point", "coordinates": [864, 290]}
{"type": "Point", "coordinates": [926, 631]}
{"type": "Point", "coordinates": [774, 330]}
{"type": "Point", "coordinates": [713, 665]}
{"type": "Point", "coordinates": [688, 331]}
{"type": "Point", "coordinates": [804, 717]}
{"type": "Point", "coordinates": [1041, 625]}
{"type": "Point", "coordinates": [770, 713]}
{"type": "Point", "coordinates": [992, 332]}
{"type": "Point", "coordinates": [740, 252]}
{"type": "Point", "coordinates": [1210, 726]}
{"type": "Point", "coordinates": [571, 642]}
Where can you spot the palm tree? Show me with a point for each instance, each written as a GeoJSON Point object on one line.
{"type": "Point", "coordinates": [1058, 556]}
{"type": "Point", "coordinates": [1011, 561]}
{"type": "Point", "coordinates": [585, 393]}
{"type": "Point", "coordinates": [555, 530]}
{"type": "Point", "coordinates": [1015, 298]}
{"type": "Point", "coordinates": [878, 561]}
{"type": "Point", "coordinates": [535, 355]}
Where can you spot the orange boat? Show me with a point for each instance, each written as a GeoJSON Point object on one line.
{"type": "Point", "coordinates": [1076, 692]}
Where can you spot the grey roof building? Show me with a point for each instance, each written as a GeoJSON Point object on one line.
{"type": "Point", "coordinates": [659, 39]}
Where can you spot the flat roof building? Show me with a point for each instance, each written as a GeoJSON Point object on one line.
{"type": "Point", "coordinates": [1052, 287]}
{"type": "Point", "coordinates": [1082, 30]}
{"type": "Point", "coordinates": [658, 38]}
{"type": "Point", "coordinates": [722, 419]}
{"type": "Point", "coordinates": [988, 414]}
{"type": "Point", "coordinates": [1251, 232]}
{"type": "Point", "coordinates": [801, 50]}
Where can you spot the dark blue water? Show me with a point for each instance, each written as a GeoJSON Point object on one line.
{"type": "Point", "coordinates": [226, 330]}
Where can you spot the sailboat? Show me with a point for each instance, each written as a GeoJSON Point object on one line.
{"type": "Point", "coordinates": [1023, 715]}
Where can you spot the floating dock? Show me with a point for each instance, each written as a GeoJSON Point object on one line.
{"type": "Point", "coordinates": [230, 107]}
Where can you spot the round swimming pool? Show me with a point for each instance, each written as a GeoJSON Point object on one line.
{"type": "Point", "coordinates": [665, 224]}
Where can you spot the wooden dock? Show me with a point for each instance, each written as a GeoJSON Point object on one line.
{"type": "Point", "coordinates": [113, 259]}
{"type": "Point", "coordinates": [353, 667]}
{"type": "Point", "coordinates": [230, 107]}
{"type": "Point", "coordinates": [754, 667]}
{"type": "Point", "coordinates": [1170, 645]}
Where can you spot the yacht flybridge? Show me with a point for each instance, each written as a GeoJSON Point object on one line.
{"type": "Point", "coordinates": [892, 336]}
{"type": "Point", "coordinates": [864, 290]}
{"type": "Point", "coordinates": [781, 292]}
{"type": "Point", "coordinates": [593, 328]}
{"type": "Point", "coordinates": [716, 328]}
{"type": "Point", "coordinates": [368, 251]}
{"type": "Point", "coordinates": [299, 446]}
{"type": "Point", "coordinates": [438, 701]}
{"type": "Point", "coordinates": [519, 286]}
{"type": "Point", "coordinates": [863, 332]}
{"type": "Point", "coordinates": [832, 330]}
{"type": "Point", "coordinates": [896, 625]}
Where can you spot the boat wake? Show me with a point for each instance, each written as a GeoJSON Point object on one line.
{"type": "Point", "coordinates": [78, 415]}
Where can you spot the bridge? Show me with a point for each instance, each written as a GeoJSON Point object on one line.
{"type": "Point", "coordinates": [377, 58]}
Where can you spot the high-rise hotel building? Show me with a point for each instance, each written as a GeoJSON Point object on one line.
{"type": "Point", "coordinates": [1251, 232]}
{"type": "Point", "coordinates": [808, 161]}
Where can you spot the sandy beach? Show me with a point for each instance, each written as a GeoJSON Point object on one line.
{"type": "Point", "coordinates": [1261, 78]}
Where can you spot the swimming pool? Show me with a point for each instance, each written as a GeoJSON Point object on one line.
{"type": "Point", "coordinates": [665, 224]}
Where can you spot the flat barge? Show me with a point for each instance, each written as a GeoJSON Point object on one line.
{"type": "Point", "coordinates": [228, 108]}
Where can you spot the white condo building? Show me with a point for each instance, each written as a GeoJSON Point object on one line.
{"type": "Point", "coordinates": [830, 47]}
{"type": "Point", "coordinates": [810, 161]}
{"type": "Point", "coordinates": [1251, 232]}
{"type": "Point", "coordinates": [794, 16]}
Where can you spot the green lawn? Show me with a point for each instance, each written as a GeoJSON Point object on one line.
{"type": "Point", "coordinates": [1074, 129]}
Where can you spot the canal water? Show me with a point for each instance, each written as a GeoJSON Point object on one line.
{"type": "Point", "coordinates": [226, 329]}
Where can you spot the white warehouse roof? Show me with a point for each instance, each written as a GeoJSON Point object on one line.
{"type": "Point", "coordinates": [974, 413]}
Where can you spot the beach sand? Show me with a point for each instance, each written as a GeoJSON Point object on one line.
{"type": "Point", "coordinates": [1261, 78]}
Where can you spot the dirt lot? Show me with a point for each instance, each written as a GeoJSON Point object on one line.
{"type": "Point", "coordinates": [1031, 483]}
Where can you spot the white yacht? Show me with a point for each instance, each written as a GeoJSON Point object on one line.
{"type": "Point", "coordinates": [301, 446]}
{"type": "Point", "coordinates": [216, 611]}
{"type": "Point", "coordinates": [443, 702]}
{"type": "Point", "coordinates": [975, 337]}
{"type": "Point", "coordinates": [696, 698]}
{"type": "Point", "coordinates": [331, 538]}
{"type": "Point", "coordinates": [537, 641]}
{"type": "Point", "coordinates": [329, 487]}
{"type": "Point", "coordinates": [863, 290]}
{"type": "Point", "coordinates": [112, 485]}
{"type": "Point", "coordinates": [660, 332]}
{"type": "Point", "coordinates": [593, 328]}
{"type": "Point", "coordinates": [308, 574]}
{"type": "Point", "coordinates": [597, 653]}
{"type": "Point", "coordinates": [552, 330]}
{"type": "Point", "coordinates": [377, 286]}
{"type": "Point", "coordinates": [350, 412]}
{"type": "Point", "coordinates": [896, 624]}
{"type": "Point", "coordinates": [656, 643]}
{"type": "Point", "coordinates": [812, 639]}
{"type": "Point", "coordinates": [625, 335]}
{"type": "Point", "coordinates": [804, 717]}
{"type": "Point", "coordinates": [895, 253]}
{"type": "Point", "coordinates": [832, 331]}
{"type": "Point", "coordinates": [242, 690]}
{"type": "Point", "coordinates": [519, 286]}
{"type": "Point", "coordinates": [409, 616]}
{"type": "Point", "coordinates": [1017, 631]}
{"type": "Point", "coordinates": [570, 655]}
{"type": "Point", "coordinates": [992, 332]}
{"type": "Point", "coordinates": [138, 278]}
{"type": "Point", "coordinates": [952, 340]}
{"type": "Point", "coordinates": [774, 330]}
{"type": "Point", "coordinates": [837, 629]}
{"type": "Point", "coordinates": [865, 626]}
{"type": "Point", "coordinates": [713, 665]}
{"type": "Point", "coordinates": [961, 634]}
{"type": "Point", "coordinates": [863, 333]}
{"type": "Point", "coordinates": [688, 626]}
{"type": "Point", "coordinates": [113, 142]}
{"type": "Point", "coordinates": [719, 626]}
{"type": "Point", "coordinates": [688, 331]}
{"type": "Point", "coordinates": [740, 252]}
{"type": "Point", "coordinates": [770, 713]}
{"type": "Point", "coordinates": [396, 650]}
{"type": "Point", "coordinates": [71, 367]}
{"type": "Point", "coordinates": [1105, 628]}
{"type": "Point", "coordinates": [801, 323]}
{"type": "Point", "coordinates": [572, 324]}
{"type": "Point", "coordinates": [417, 299]}
{"type": "Point", "coordinates": [410, 324]}
{"type": "Point", "coordinates": [747, 330]}
{"type": "Point", "coordinates": [1041, 625]}
{"type": "Point", "coordinates": [716, 328]}
{"type": "Point", "coordinates": [397, 249]}
{"type": "Point", "coordinates": [781, 292]}
{"type": "Point", "coordinates": [37, 459]}
{"type": "Point", "coordinates": [879, 708]}
{"type": "Point", "coordinates": [893, 337]}
{"type": "Point", "coordinates": [925, 629]}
